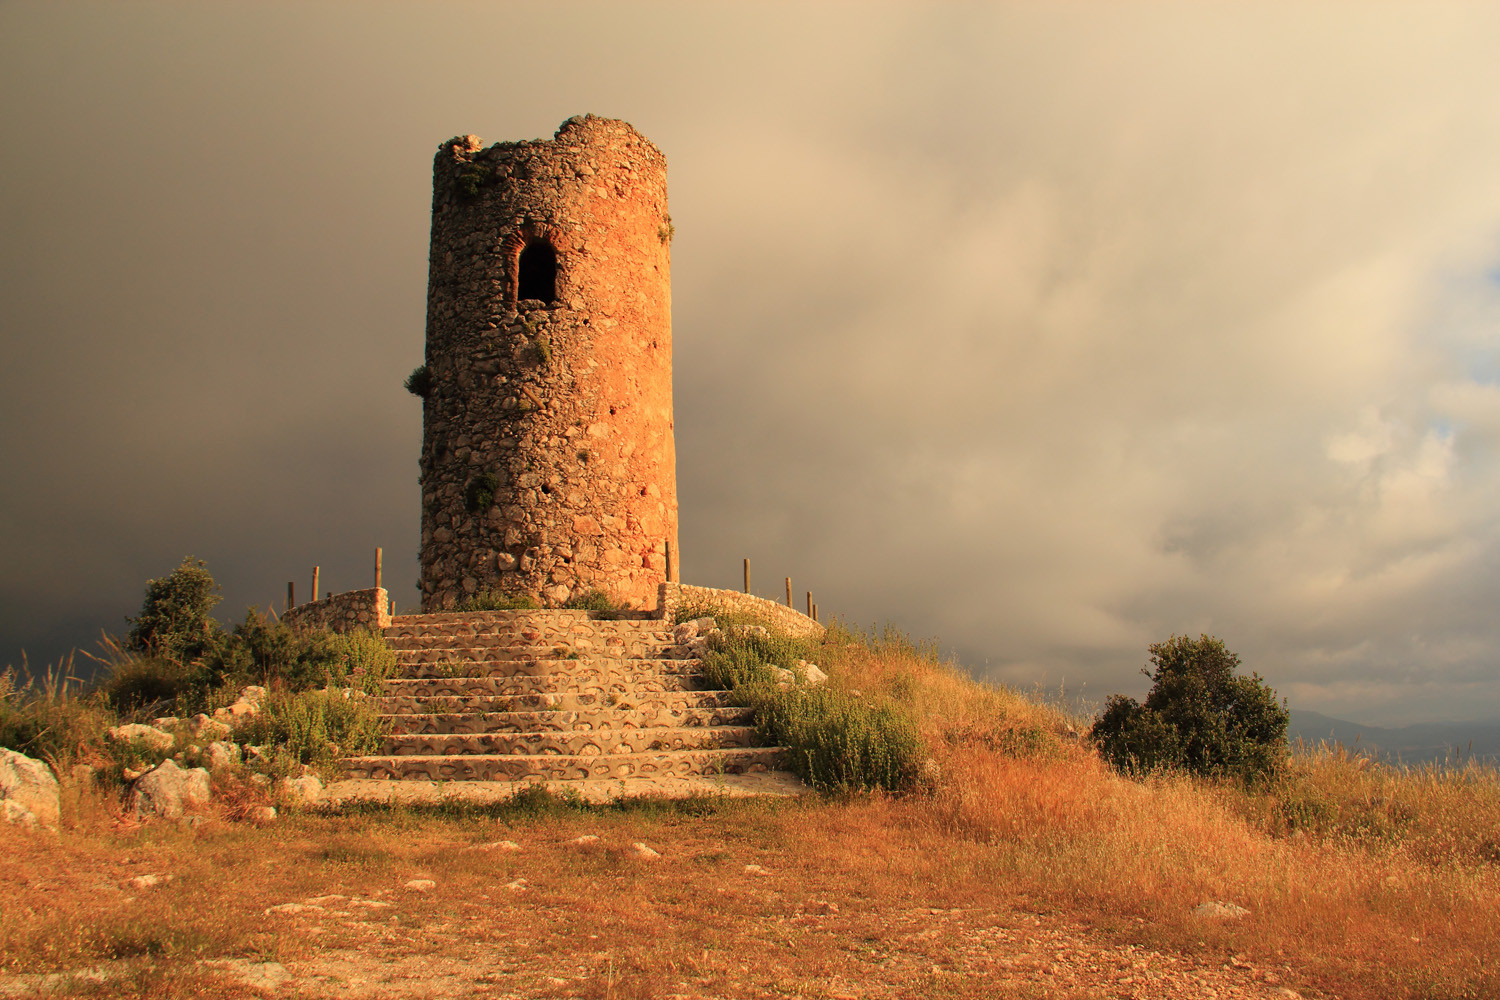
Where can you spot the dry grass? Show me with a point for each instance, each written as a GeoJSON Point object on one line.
{"type": "Point", "coordinates": [1030, 869]}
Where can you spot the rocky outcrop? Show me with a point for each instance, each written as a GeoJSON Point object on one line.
{"type": "Point", "coordinates": [156, 739]}
{"type": "Point", "coordinates": [28, 791]}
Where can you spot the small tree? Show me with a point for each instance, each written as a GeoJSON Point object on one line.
{"type": "Point", "coordinates": [1199, 716]}
{"type": "Point", "coordinates": [174, 621]}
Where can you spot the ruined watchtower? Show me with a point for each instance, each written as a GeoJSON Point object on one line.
{"type": "Point", "coordinates": [548, 463]}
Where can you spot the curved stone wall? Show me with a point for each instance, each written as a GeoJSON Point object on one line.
{"type": "Point", "coordinates": [548, 465]}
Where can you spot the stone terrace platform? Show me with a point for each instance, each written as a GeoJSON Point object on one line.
{"type": "Point", "coordinates": [553, 696]}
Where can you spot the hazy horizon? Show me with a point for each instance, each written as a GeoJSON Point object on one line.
{"type": "Point", "coordinates": [1049, 330]}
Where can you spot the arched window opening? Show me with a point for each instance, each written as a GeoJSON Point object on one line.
{"type": "Point", "coordinates": [536, 276]}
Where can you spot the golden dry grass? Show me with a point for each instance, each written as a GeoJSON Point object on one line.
{"type": "Point", "coordinates": [1029, 869]}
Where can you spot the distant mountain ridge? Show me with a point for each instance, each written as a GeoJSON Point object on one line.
{"type": "Point", "coordinates": [1423, 743]}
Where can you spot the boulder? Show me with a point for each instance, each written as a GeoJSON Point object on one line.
{"type": "Point", "coordinates": [246, 705]}
{"type": "Point", "coordinates": [28, 786]}
{"type": "Point", "coordinates": [167, 791]}
{"type": "Point", "coordinates": [1216, 909]}
{"type": "Point", "coordinates": [154, 738]}
{"type": "Point", "coordinates": [222, 754]}
{"type": "Point", "coordinates": [205, 728]}
{"type": "Point", "coordinates": [306, 790]}
{"type": "Point", "coordinates": [810, 672]}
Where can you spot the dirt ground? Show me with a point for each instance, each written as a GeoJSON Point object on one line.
{"type": "Point", "coordinates": [758, 898]}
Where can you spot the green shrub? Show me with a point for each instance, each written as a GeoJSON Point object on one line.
{"type": "Point", "coordinates": [479, 495]}
{"type": "Point", "coordinates": [55, 720]}
{"type": "Point", "coordinates": [471, 180]}
{"type": "Point", "coordinates": [264, 651]}
{"type": "Point", "coordinates": [148, 684]}
{"type": "Point", "coordinates": [365, 661]}
{"type": "Point", "coordinates": [419, 382]}
{"type": "Point", "coordinates": [836, 740]}
{"type": "Point", "coordinates": [174, 621]}
{"type": "Point", "coordinates": [1198, 717]}
{"type": "Point", "coordinates": [315, 727]}
{"type": "Point", "coordinates": [497, 601]}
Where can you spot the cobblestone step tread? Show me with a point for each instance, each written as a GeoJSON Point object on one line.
{"type": "Point", "coordinates": [648, 739]}
{"type": "Point", "coordinates": [560, 721]}
{"type": "Point", "coordinates": [513, 767]}
{"type": "Point", "coordinates": [547, 701]}
{"type": "Point", "coordinates": [545, 667]}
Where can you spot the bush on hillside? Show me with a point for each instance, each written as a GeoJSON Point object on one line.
{"type": "Point", "coordinates": [314, 727]}
{"type": "Point", "coordinates": [1199, 716]}
{"type": "Point", "coordinates": [836, 740]}
{"type": "Point", "coordinates": [174, 621]}
{"type": "Point", "coordinates": [597, 601]}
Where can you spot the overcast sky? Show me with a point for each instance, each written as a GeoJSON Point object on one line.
{"type": "Point", "coordinates": [1047, 330]}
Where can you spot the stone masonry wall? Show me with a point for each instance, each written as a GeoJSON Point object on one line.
{"type": "Point", "coordinates": [369, 608]}
{"type": "Point", "coordinates": [673, 596]}
{"type": "Point", "coordinates": [548, 464]}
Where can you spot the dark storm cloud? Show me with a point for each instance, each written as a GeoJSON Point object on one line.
{"type": "Point", "coordinates": [1050, 331]}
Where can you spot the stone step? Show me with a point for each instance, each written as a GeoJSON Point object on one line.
{"type": "Point", "coordinates": [602, 742]}
{"type": "Point", "coordinates": [583, 667]}
{"type": "Point", "coordinates": [621, 683]}
{"type": "Point", "coordinates": [564, 721]}
{"type": "Point", "coordinates": [599, 633]}
{"type": "Point", "coordinates": [547, 618]}
{"type": "Point", "coordinates": [555, 767]}
{"type": "Point", "coordinates": [664, 701]}
{"type": "Point", "coordinates": [634, 651]}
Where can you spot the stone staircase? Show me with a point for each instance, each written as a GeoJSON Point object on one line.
{"type": "Point", "coordinates": [553, 695]}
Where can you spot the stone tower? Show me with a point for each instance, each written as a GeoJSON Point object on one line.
{"type": "Point", "coordinates": [548, 463]}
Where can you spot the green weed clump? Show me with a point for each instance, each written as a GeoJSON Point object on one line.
{"type": "Point", "coordinates": [837, 740]}
{"type": "Point", "coordinates": [597, 601]}
{"type": "Point", "coordinates": [419, 382]}
{"type": "Point", "coordinates": [314, 728]}
{"type": "Point", "coordinates": [494, 600]}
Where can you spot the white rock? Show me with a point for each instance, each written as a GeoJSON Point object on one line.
{"type": "Point", "coordinates": [642, 851]}
{"type": "Point", "coordinates": [261, 815]}
{"type": "Point", "coordinates": [1216, 909]}
{"type": "Point", "coordinates": [686, 632]}
{"type": "Point", "coordinates": [294, 908]}
{"type": "Point", "coordinates": [517, 885]}
{"type": "Point", "coordinates": [499, 845]}
{"type": "Point", "coordinates": [31, 787]}
{"type": "Point", "coordinates": [166, 722]}
{"type": "Point", "coordinates": [205, 728]}
{"type": "Point", "coordinates": [149, 735]}
{"type": "Point", "coordinates": [13, 812]}
{"type": "Point", "coordinates": [420, 884]}
{"type": "Point", "coordinates": [167, 791]}
{"type": "Point", "coordinates": [587, 838]}
{"type": "Point", "coordinates": [222, 754]}
{"type": "Point", "coordinates": [755, 870]}
{"type": "Point", "coordinates": [810, 672]}
{"type": "Point", "coordinates": [305, 790]}
{"type": "Point", "coordinates": [703, 624]}
{"type": "Point", "coordinates": [784, 677]}
{"type": "Point", "coordinates": [267, 977]}
{"type": "Point", "coordinates": [147, 881]}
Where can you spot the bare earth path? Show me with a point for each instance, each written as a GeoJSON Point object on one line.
{"type": "Point", "coordinates": [764, 898]}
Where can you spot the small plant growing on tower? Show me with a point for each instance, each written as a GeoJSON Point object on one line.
{"type": "Point", "coordinates": [479, 495]}
{"type": "Point", "coordinates": [419, 382]}
{"type": "Point", "coordinates": [471, 180]}
{"type": "Point", "coordinates": [1198, 717]}
{"type": "Point", "coordinates": [666, 231]}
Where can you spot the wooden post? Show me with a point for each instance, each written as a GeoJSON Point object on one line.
{"type": "Point", "coordinates": [809, 604]}
{"type": "Point", "coordinates": [377, 569]}
{"type": "Point", "coordinates": [291, 595]}
{"type": "Point", "coordinates": [747, 576]}
{"type": "Point", "coordinates": [315, 583]}
{"type": "Point", "coordinates": [815, 612]}
{"type": "Point", "coordinates": [788, 591]}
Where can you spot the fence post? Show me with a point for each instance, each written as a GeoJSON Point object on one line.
{"type": "Point", "coordinates": [809, 604]}
{"type": "Point", "coordinates": [815, 612]}
{"type": "Point", "coordinates": [315, 583]}
{"type": "Point", "coordinates": [788, 591]}
{"type": "Point", "coordinates": [747, 576]}
{"type": "Point", "coordinates": [377, 568]}
{"type": "Point", "coordinates": [291, 595]}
